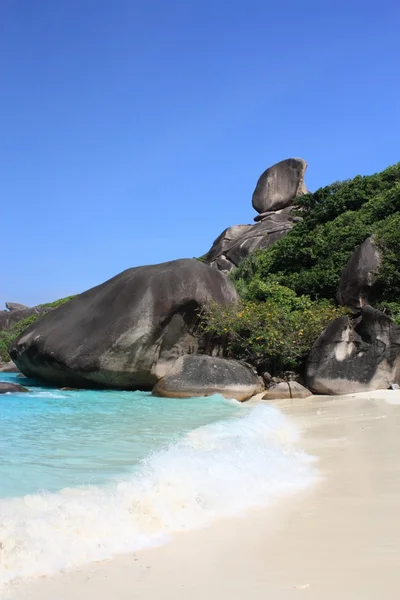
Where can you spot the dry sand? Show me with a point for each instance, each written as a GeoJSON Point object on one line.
{"type": "Point", "coordinates": [339, 540]}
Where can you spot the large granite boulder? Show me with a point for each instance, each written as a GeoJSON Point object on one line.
{"type": "Point", "coordinates": [358, 281]}
{"type": "Point", "coordinates": [7, 387]}
{"type": "Point", "coordinates": [206, 375]}
{"type": "Point", "coordinates": [125, 333]}
{"type": "Point", "coordinates": [235, 243]}
{"type": "Point", "coordinates": [280, 185]}
{"type": "Point", "coordinates": [355, 355]}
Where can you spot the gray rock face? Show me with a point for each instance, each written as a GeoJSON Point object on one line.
{"type": "Point", "coordinates": [235, 243]}
{"type": "Point", "coordinates": [358, 280]}
{"type": "Point", "coordinates": [280, 185]}
{"type": "Point", "coordinates": [125, 333]}
{"type": "Point", "coordinates": [16, 306]}
{"type": "Point", "coordinates": [268, 213]}
{"type": "Point", "coordinates": [6, 387]}
{"type": "Point", "coordinates": [206, 375]}
{"type": "Point", "coordinates": [284, 390]}
{"type": "Point", "coordinates": [355, 355]}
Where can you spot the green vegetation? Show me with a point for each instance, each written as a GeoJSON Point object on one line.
{"type": "Point", "coordinates": [289, 290]}
{"type": "Point", "coordinates": [56, 303]}
{"type": "Point", "coordinates": [9, 335]}
{"type": "Point", "coordinates": [272, 328]}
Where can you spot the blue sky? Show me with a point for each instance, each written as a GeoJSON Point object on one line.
{"type": "Point", "coordinates": [134, 132]}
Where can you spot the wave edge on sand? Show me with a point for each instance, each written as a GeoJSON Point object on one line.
{"type": "Point", "coordinates": [215, 471]}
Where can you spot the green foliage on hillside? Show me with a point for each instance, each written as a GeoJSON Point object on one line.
{"type": "Point", "coordinates": [56, 303]}
{"type": "Point", "coordinates": [272, 328]}
{"type": "Point", "coordinates": [335, 220]}
{"type": "Point", "coordinates": [9, 335]}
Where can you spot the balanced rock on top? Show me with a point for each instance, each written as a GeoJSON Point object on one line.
{"type": "Point", "coordinates": [280, 185]}
{"type": "Point", "coordinates": [274, 197]}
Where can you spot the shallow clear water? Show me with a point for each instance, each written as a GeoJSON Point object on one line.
{"type": "Point", "coordinates": [86, 475]}
{"type": "Point", "coordinates": [52, 439]}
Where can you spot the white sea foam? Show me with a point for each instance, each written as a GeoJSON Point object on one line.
{"type": "Point", "coordinates": [215, 471]}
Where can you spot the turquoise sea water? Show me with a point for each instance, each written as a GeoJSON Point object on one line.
{"type": "Point", "coordinates": [87, 475]}
{"type": "Point", "coordinates": [52, 439]}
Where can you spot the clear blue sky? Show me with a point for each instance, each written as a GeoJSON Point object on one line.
{"type": "Point", "coordinates": [133, 132]}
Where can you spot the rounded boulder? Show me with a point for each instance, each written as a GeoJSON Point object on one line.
{"type": "Point", "coordinates": [280, 185]}
{"type": "Point", "coordinates": [125, 333]}
{"type": "Point", "coordinates": [193, 375]}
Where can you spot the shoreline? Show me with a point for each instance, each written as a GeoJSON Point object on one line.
{"type": "Point", "coordinates": [340, 538]}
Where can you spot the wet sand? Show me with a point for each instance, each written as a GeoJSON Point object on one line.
{"type": "Point", "coordinates": [338, 540]}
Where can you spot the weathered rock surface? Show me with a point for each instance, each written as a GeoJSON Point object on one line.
{"type": "Point", "coordinates": [193, 375]}
{"type": "Point", "coordinates": [125, 333]}
{"type": "Point", "coordinates": [235, 243]}
{"type": "Point", "coordinates": [358, 281]}
{"type": "Point", "coordinates": [6, 387]}
{"type": "Point", "coordinates": [280, 185]}
{"type": "Point", "coordinates": [268, 213]}
{"type": "Point", "coordinates": [16, 306]}
{"type": "Point", "coordinates": [355, 355]}
{"type": "Point", "coordinates": [8, 367]}
{"type": "Point", "coordinates": [289, 389]}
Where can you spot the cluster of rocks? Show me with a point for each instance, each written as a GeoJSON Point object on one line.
{"type": "Point", "coordinates": [359, 352]}
{"type": "Point", "coordinates": [273, 198]}
{"type": "Point", "coordinates": [139, 330]}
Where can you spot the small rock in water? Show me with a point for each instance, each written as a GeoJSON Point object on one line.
{"type": "Point", "coordinates": [6, 387]}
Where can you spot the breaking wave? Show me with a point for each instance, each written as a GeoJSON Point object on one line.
{"type": "Point", "coordinates": [214, 471]}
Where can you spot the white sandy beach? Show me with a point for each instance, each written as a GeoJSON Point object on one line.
{"type": "Point", "coordinates": [338, 540]}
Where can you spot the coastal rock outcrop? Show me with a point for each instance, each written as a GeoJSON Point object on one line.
{"type": "Point", "coordinates": [6, 387]}
{"type": "Point", "coordinates": [193, 375]}
{"type": "Point", "coordinates": [287, 389]}
{"type": "Point", "coordinates": [358, 281]}
{"type": "Point", "coordinates": [355, 354]}
{"type": "Point", "coordinates": [125, 333]}
{"type": "Point", "coordinates": [273, 198]}
{"type": "Point", "coordinates": [10, 317]}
